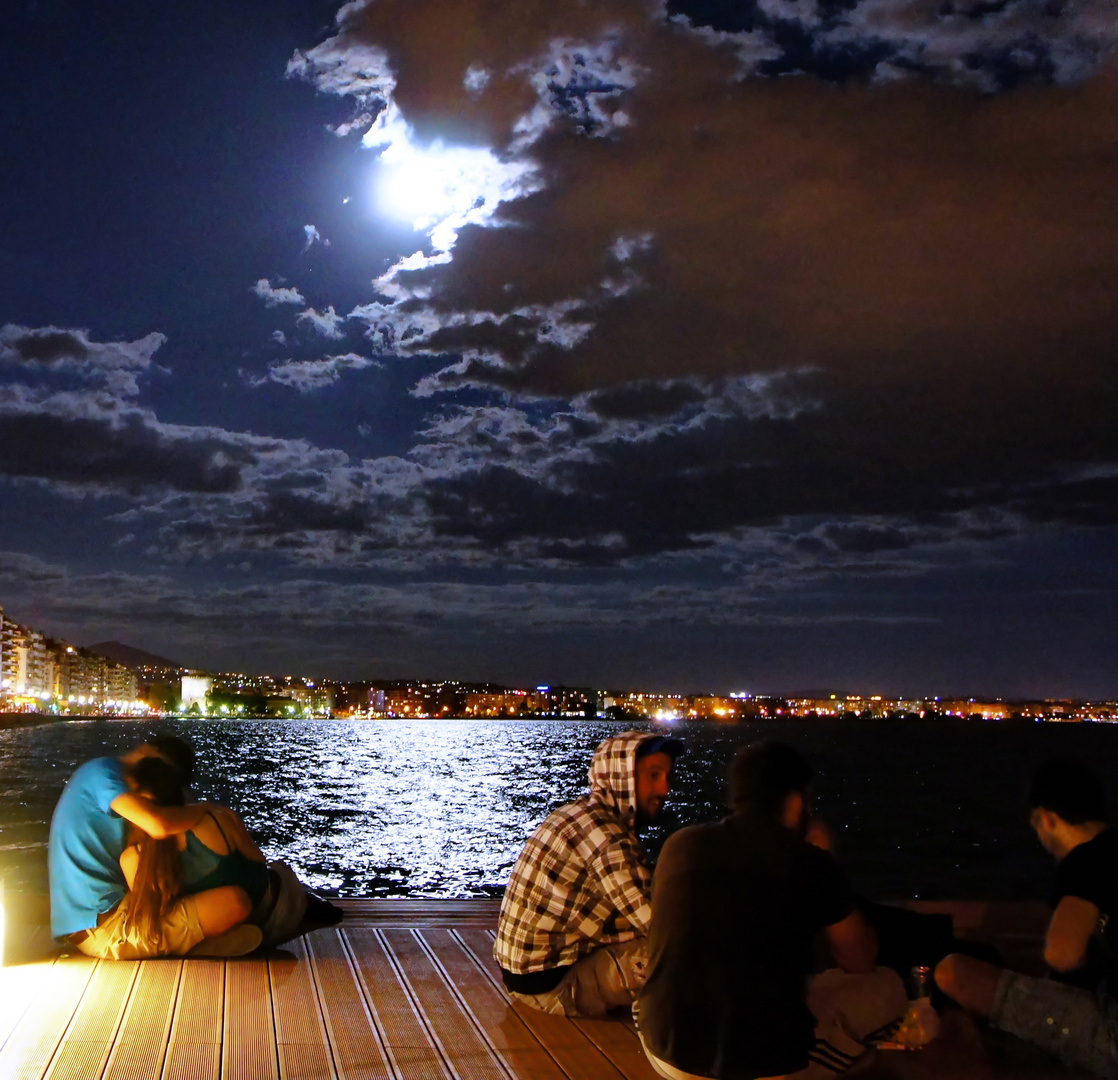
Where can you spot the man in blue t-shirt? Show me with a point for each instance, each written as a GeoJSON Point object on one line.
{"type": "Point", "coordinates": [88, 833]}
{"type": "Point", "coordinates": [1073, 1014]}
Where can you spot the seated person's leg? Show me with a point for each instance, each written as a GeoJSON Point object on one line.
{"type": "Point", "coordinates": [848, 1010]}
{"type": "Point", "coordinates": [221, 909]}
{"type": "Point", "coordinates": [1078, 1027]}
{"type": "Point", "coordinates": [608, 978]}
{"type": "Point", "coordinates": [972, 983]}
{"type": "Point", "coordinates": [177, 933]}
{"type": "Point", "coordinates": [281, 912]}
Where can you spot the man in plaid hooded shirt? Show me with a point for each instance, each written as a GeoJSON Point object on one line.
{"type": "Point", "coordinates": [572, 935]}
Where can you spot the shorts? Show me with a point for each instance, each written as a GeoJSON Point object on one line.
{"type": "Point", "coordinates": [179, 932]}
{"type": "Point", "coordinates": [608, 978]}
{"type": "Point", "coordinates": [1077, 1026]}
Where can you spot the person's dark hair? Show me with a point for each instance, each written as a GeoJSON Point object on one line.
{"type": "Point", "coordinates": [158, 780]}
{"type": "Point", "coordinates": [1069, 788]}
{"type": "Point", "coordinates": [763, 774]}
{"type": "Point", "coordinates": [178, 752]}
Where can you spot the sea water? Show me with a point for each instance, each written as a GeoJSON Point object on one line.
{"type": "Point", "coordinates": [440, 808]}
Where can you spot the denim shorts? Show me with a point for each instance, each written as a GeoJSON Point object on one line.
{"type": "Point", "coordinates": [1077, 1026]}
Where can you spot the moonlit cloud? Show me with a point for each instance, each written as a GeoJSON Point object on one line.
{"type": "Point", "coordinates": [273, 296]}
{"type": "Point", "coordinates": [313, 236]}
{"type": "Point", "coordinates": [114, 366]}
{"type": "Point", "coordinates": [328, 324]}
{"type": "Point", "coordinates": [309, 375]}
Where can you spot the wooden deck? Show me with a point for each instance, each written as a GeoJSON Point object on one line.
{"type": "Point", "coordinates": [401, 990]}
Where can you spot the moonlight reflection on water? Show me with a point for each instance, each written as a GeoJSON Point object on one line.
{"type": "Point", "coordinates": [440, 808]}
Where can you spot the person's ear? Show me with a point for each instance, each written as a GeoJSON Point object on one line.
{"type": "Point", "coordinates": [792, 810]}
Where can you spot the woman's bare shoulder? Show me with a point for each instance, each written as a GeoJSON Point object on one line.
{"type": "Point", "coordinates": [214, 830]}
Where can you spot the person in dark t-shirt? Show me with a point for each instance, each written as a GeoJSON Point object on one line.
{"type": "Point", "coordinates": [736, 907]}
{"type": "Point", "coordinates": [1074, 1012]}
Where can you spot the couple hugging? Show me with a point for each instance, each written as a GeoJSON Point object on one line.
{"type": "Point", "coordinates": [137, 871]}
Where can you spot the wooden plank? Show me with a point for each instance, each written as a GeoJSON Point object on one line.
{"type": "Point", "coordinates": [141, 1043]}
{"type": "Point", "coordinates": [31, 1045]}
{"type": "Point", "coordinates": [249, 1036]}
{"type": "Point", "coordinates": [452, 1027]}
{"type": "Point", "coordinates": [300, 1036]}
{"type": "Point", "coordinates": [21, 987]}
{"type": "Point", "coordinates": [410, 1048]}
{"type": "Point", "coordinates": [86, 1044]}
{"type": "Point", "coordinates": [503, 1030]}
{"type": "Point", "coordinates": [356, 1041]}
{"type": "Point", "coordinates": [575, 1054]}
{"type": "Point", "coordinates": [620, 1045]}
{"type": "Point", "coordinates": [194, 1047]}
{"type": "Point", "coordinates": [416, 913]}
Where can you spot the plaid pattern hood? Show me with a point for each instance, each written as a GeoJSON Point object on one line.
{"type": "Point", "coordinates": [582, 880]}
{"type": "Point", "coordinates": [613, 776]}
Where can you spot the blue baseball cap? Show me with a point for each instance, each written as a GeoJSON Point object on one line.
{"type": "Point", "coordinates": [661, 744]}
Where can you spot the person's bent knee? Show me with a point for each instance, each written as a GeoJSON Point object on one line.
{"type": "Point", "coordinates": [947, 974]}
{"type": "Point", "coordinates": [241, 903]}
{"type": "Point", "coordinates": [222, 908]}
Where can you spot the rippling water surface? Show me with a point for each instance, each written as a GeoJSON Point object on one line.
{"type": "Point", "coordinates": [441, 808]}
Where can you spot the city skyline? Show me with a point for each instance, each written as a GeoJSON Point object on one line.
{"type": "Point", "coordinates": [42, 674]}
{"type": "Point", "coordinates": [695, 344]}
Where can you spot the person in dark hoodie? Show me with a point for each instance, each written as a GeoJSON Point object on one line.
{"type": "Point", "coordinates": [572, 934]}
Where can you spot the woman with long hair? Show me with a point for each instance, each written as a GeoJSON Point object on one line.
{"type": "Point", "coordinates": [217, 863]}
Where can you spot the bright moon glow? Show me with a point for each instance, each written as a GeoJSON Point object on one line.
{"type": "Point", "coordinates": [440, 188]}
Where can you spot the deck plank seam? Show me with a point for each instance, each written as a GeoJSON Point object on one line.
{"type": "Point", "coordinates": [320, 1001]}
{"type": "Point", "coordinates": [237, 1001]}
{"type": "Point", "coordinates": [417, 1006]}
{"type": "Point", "coordinates": [481, 965]}
{"type": "Point", "coordinates": [41, 978]}
{"type": "Point", "coordinates": [117, 1044]}
{"type": "Point", "coordinates": [501, 989]}
{"type": "Point", "coordinates": [55, 1037]}
{"type": "Point", "coordinates": [77, 1012]}
{"type": "Point", "coordinates": [275, 1020]}
{"type": "Point", "coordinates": [464, 1006]}
{"type": "Point", "coordinates": [367, 997]}
{"type": "Point", "coordinates": [175, 1004]}
{"type": "Point", "coordinates": [324, 1011]}
{"type": "Point", "coordinates": [304, 958]}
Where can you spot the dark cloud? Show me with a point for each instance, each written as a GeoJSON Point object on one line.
{"type": "Point", "coordinates": [129, 455]}
{"type": "Point", "coordinates": [635, 401]}
{"type": "Point", "coordinates": [113, 366]}
{"type": "Point", "coordinates": [45, 346]}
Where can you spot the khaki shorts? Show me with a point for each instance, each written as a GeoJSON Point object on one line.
{"type": "Point", "coordinates": [179, 932]}
{"type": "Point", "coordinates": [608, 978]}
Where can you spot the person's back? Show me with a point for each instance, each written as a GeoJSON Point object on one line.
{"type": "Point", "coordinates": [86, 839]}
{"type": "Point", "coordinates": [212, 858]}
{"type": "Point", "coordinates": [736, 906]}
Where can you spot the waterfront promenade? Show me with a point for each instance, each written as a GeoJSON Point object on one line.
{"type": "Point", "coordinates": [402, 989]}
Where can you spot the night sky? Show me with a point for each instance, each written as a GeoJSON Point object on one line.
{"type": "Point", "coordinates": [762, 345]}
